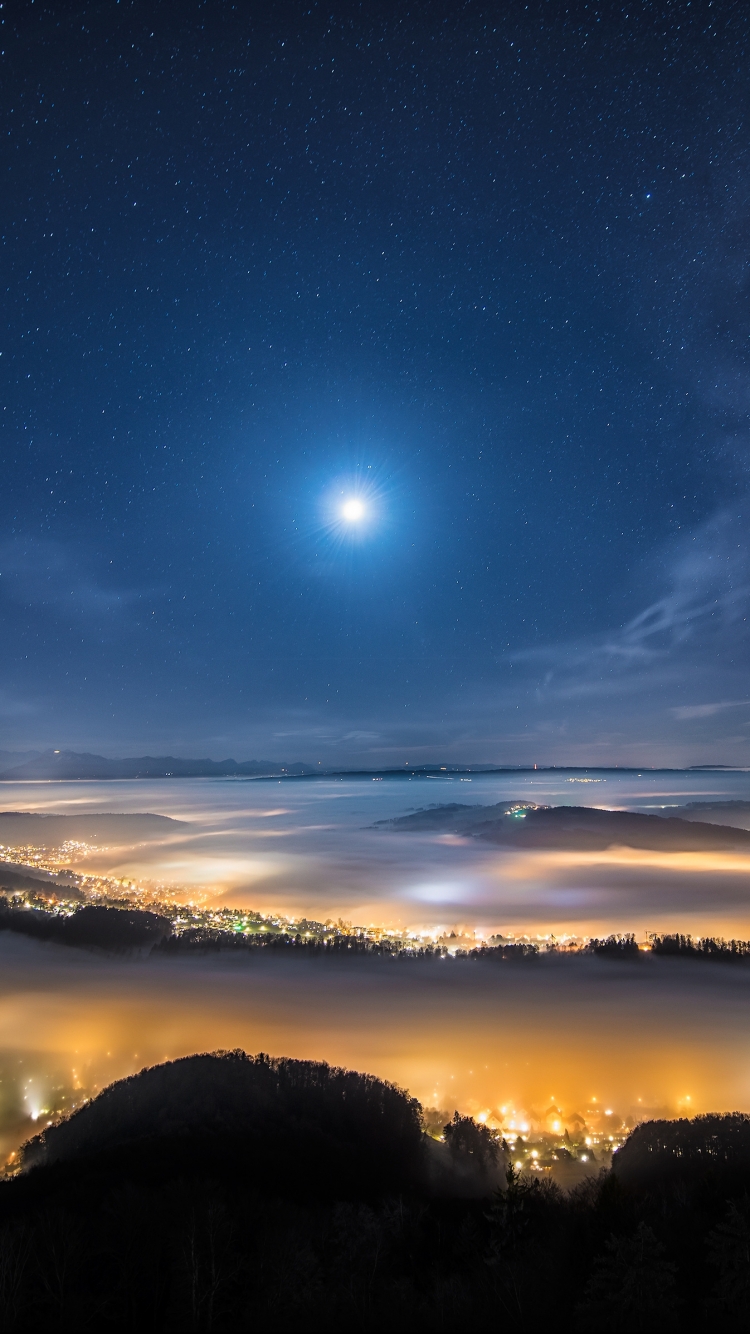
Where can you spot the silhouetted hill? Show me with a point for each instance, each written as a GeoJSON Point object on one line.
{"type": "Point", "coordinates": [583, 828]}
{"type": "Point", "coordinates": [93, 926]}
{"type": "Point", "coordinates": [15, 878]}
{"type": "Point", "coordinates": [273, 1118]}
{"type": "Point", "coordinates": [69, 764]}
{"type": "Point", "coordinates": [18, 882]}
{"type": "Point", "coordinates": [11, 758]}
{"type": "Point", "coordinates": [27, 827]}
{"type": "Point", "coordinates": [735, 813]}
{"type": "Point", "coordinates": [708, 1151]}
{"type": "Point", "coordinates": [232, 1192]}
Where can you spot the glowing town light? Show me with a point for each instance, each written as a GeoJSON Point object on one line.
{"type": "Point", "coordinates": [352, 510]}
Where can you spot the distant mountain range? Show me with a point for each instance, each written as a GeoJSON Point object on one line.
{"type": "Point", "coordinates": [69, 764]}
{"type": "Point", "coordinates": [10, 758]}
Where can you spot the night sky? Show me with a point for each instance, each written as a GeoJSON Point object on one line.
{"type": "Point", "coordinates": [483, 268]}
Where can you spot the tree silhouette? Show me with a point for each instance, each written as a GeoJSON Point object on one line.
{"type": "Point", "coordinates": [729, 1250]}
{"type": "Point", "coordinates": [464, 1135]}
{"type": "Point", "coordinates": [632, 1286]}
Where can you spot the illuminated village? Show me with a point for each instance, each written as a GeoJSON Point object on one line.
{"type": "Point", "coordinates": [565, 1143]}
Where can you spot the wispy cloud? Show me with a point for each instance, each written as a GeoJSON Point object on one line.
{"type": "Point", "coordinates": [688, 711]}
{"type": "Point", "coordinates": [704, 606]}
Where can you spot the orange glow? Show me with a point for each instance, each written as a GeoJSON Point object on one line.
{"type": "Point", "coordinates": [484, 1038]}
{"type": "Point", "coordinates": [476, 1037]}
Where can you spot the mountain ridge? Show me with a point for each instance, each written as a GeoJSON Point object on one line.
{"type": "Point", "coordinates": [70, 764]}
{"type": "Point", "coordinates": [583, 828]}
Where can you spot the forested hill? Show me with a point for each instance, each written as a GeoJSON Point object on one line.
{"type": "Point", "coordinates": [234, 1192]}
{"type": "Point", "coordinates": [585, 828]}
{"type": "Point", "coordinates": [279, 1119]}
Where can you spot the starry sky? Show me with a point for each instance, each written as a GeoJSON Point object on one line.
{"type": "Point", "coordinates": [483, 267]}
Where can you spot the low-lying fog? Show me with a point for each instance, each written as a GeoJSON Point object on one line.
{"type": "Point", "coordinates": [670, 1035]}
{"type": "Point", "coordinates": [308, 848]}
{"type": "Point", "coordinates": [479, 1035]}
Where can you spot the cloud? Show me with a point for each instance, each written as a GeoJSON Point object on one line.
{"type": "Point", "coordinates": [702, 611]}
{"type": "Point", "coordinates": [707, 710]}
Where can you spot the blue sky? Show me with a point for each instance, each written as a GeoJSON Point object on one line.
{"type": "Point", "coordinates": [485, 266]}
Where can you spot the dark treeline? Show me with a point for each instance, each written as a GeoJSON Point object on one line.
{"type": "Point", "coordinates": [205, 939]}
{"type": "Point", "coordinates": [722, 951]}
{"type": "Point", "coordinates": [615, 947]}
{"type": "Point", "coordinates": [208, 939]}
{"type": "Point", "coordinates": [522, 950]}
{"type": "Point", "coordinates": [623, 947]}
{"type": "Point", "coordinates": [111, 928]}
{"type": "Point", "coordinates": [91, 926]}
{"type": "Point", "coordinates": [227, 1192]}
{"type": "Point", "coordinates": [683, 947]}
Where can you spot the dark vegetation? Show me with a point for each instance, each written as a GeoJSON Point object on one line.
{"type": "Point", "coordinates": [90, 926]}
{"type": "Point", "coordinates": [353, 1132]}
{"type": "Point", "coordinates": [583, 828]}
{"type": "Point", "coordinates": [466, 1137]}
{"type": "Point", "coordinates": [228, 1192]}
{"type": "Point", "coordinates": [709, 948]}
{"type": "Point", "coordinates": [202, 940]}
{"type": "Point", "coordinates": [121, 929]}
{"type": "Point", "coordinates": [615, 947]}
{"type": "Point", "coordinates": [508, 953]}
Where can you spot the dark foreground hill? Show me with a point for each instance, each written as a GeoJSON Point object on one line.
{"type": "Point", "coordinates": [303, 1124]}
{"type": "Point", "coordinates": [708, 1153]}
{"type": "Point", "coordinates": [228, 1192]}
{"type": "Point", "coordinates": [581, 828]}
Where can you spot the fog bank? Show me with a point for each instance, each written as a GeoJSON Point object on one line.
{"type": "Point", "coordinates": [477, 1035]}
